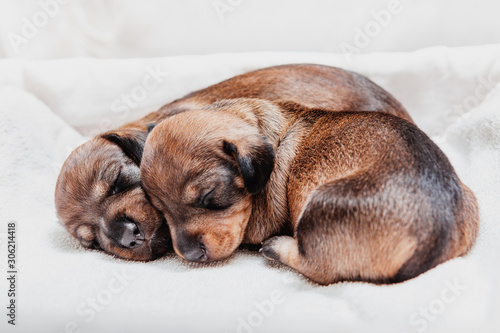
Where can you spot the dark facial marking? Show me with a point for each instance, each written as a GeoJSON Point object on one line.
{"type": "Point", "coordinates": [133, 148]}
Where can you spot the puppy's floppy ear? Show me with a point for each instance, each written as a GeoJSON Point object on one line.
{"type": "Point", "coordinates": [130, 141]}
{"type": "Point", "coordinates": [255, 161]}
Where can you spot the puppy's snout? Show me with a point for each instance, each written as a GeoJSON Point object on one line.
{"type": "Point", "coordinates": [128, 234]}
{"type": "Point", "coordinates": [192, 250]}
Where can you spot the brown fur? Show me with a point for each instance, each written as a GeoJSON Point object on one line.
{"type": "Point", "coordinates": [83, 193]}
{"type": "Point", "coordinates": [366, 196]}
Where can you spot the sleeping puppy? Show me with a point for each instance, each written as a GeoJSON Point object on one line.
{"type": "Point", "coordinates": [99, 196]}
{"type": "Point", "coordinates": [358, 196]}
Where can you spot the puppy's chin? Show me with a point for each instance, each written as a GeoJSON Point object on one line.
{"type": "Point", "coordinates": [215, 252]}
{"type": "Point", "coordinates": [210, 246]}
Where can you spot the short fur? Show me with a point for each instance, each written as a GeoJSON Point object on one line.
{"type": "Point", "coordinates": [363, 196]}
{"type": "Point", "coordinates": [99, 190]}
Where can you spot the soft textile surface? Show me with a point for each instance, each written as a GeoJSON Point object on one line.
{"type": "Point", "coordinates": [45, 29]}
{"type": "Point", "coordinates": [46, 106]}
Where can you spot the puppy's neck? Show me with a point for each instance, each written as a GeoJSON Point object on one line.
{"type": "Point", "coordinates": [285, 131]}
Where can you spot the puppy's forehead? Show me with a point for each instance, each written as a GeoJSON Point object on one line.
{"type": "Point", "coordinates": [191, 141]}
{"type": "Point", "coordinates": [96, 161]}
{"type": "Point", "coordinates": [197, 126]}
{"type": "Point", "coordinates": [179, 144]}
{"type": "Point", "coordinates": [86, 175]}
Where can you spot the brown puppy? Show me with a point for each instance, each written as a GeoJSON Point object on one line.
{"type": "Point", "coordinates": [368, 196]}
{"type": "Point", "coordinates": [99, 197]}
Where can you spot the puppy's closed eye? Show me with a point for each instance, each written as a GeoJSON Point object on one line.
{"type": "Point", "coordinates": [208, 201]}
{"type": "Point", "coordinates": [121, 184]}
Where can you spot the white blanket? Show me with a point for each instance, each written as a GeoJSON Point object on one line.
{"type": "Point", "coordinates": [45, 106]}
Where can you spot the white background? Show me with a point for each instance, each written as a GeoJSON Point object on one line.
{"type": "Point", "coordinates": [153, 28]}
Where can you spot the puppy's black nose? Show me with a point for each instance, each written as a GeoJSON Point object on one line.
{"type": "Point", "coordinates": [130, 236]}
{"type": "Point", "coordinates": [196, 254]}
{"type": "Point", "coordinates": [191, 247]}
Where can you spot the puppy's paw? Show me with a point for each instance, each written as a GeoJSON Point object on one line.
{"type": "Point", "coordinates": [268, 248]}
{"type": "Point", "coordinates": [280, 248]}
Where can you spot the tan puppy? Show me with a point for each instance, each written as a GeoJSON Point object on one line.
{"type": "Point", "coordinates": [99, 197]}
{"type": "Point", "coordinates": [350, 195]}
